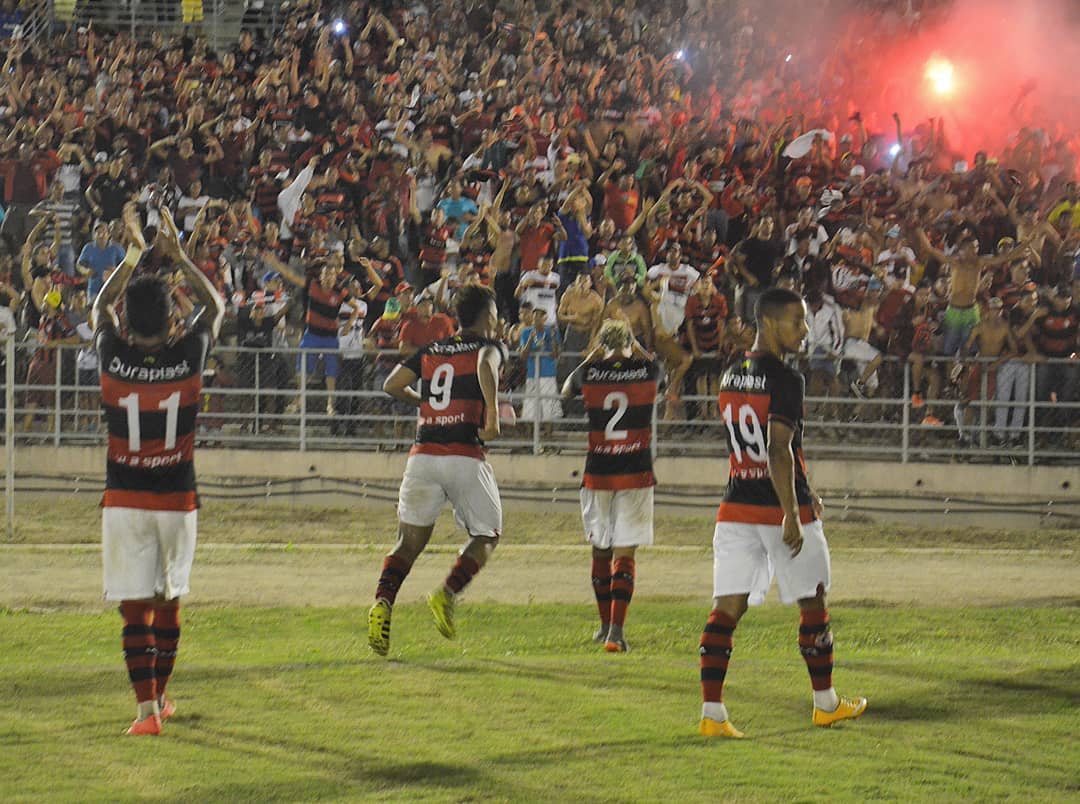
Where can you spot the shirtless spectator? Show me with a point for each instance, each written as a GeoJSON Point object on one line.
{"type": "Point", "coordinates": [629, 305]}
{"type": "Point", "coordinates": [993, 338]}
{"type": "Point", "coordinates": [706, 317]}
{"type": "Point", "coordinates": [859, 328]}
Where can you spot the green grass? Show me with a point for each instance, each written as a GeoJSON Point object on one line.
{"type": "Point", "coordinates": [288, 705]}
{"type": "Point", "coordinates": [76, 519]}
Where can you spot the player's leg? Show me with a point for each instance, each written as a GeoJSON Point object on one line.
{"type": "Point", "coordinates": [622, 591]}
{"type": "Point", "coordinates": [632, 526]}
{"type": "Point", "coordinates": [717, 643]}
{"type": "Point", "coordinates": [805, 579]}
{"type": "Point", "coordinates": [741, 575]}
{"type": "Point", "coordinates": [176, 536]}
{"type": "Point", "coordinates": [470, 485]}
{"type": "Point", "coordinates": [166, 629]}
{"type": "Point", "coordinates": [130, 564]}
{"type": "Point", "coordinates": [330, 366]}
{"type": "Point", "coordinates": [596, 519]}
{"type": "Point", "coordinates": [419, 501]}
{"type": "Point", "coordinates": [139, 657]}
{"type": "Point", "coordinates": [601, 584]}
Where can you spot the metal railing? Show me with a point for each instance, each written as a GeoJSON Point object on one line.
{"type": "Point", "coordinates": [218, 20]}
{"type": "Point", "coordinates": [252, 398]}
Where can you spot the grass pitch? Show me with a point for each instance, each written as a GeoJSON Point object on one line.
{"type": "Point", "coordinates": [288, 705]}
{"type": "Point", "coordinates": [280, 700]}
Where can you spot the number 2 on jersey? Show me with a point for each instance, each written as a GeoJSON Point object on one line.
{"type": "Point", "coordinates": [750, 436]}
{"type": "Point", "coordinates": [442, 381]}
{"type": "Point", "coordinates": [171, 406]}
{"type": "Point", "coordinates": [620, 402]}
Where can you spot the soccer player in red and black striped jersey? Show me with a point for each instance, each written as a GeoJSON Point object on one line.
{"type": "Point", "coordinates": [151, 380]}
{"type": "Point", "coordinates": [618, 381]}
{"type": "Point", "coordinates": [768, 524]}
{"type": "Point", "coordinates": [459, 378]}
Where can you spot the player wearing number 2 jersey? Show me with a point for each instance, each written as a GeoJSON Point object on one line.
{"type": "Point", "coordinates": [458, 414]}
{"type": "Point", "coordinates": [618, 381]}
{"type": "Point", "coordinates": [768, 524]}
{"type": "Point", "coordinates": [150, 385]}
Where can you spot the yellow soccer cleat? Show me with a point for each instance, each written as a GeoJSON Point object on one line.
{"type": "Point", "coordinates": [718, 728]}
{"type": "Point", "coordinates": [441, 603]}
{"type": "Point", "coordinates": [847, 709]}
{"type": "Point", "coordinates": [378, 627]}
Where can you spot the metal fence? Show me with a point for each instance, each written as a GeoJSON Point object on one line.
{"type": "Point", "coordinates": [219, 21]}
{"type": "Point", "coordinates": [252, 398]}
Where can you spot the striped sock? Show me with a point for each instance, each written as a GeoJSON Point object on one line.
{"type": "Point", "coordinates": [139, 652]}
{"type": "Point", "coordinates": [166, 638]}
{"type": "Point", "coordinates": [716, 645]}
{"type": "Point", "coordinates": [816, 646]}
{"type": "Point", "coordinates": [622, 589]}
{"type": "Point", "coordinates": [601, 584]}
{"type": "Point", "coordinates": [394, 571]}
{"type": "Point", "coordinates": [464, 569]}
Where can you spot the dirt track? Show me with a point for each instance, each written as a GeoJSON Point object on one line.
{"type": "Point", "coordinates": [70, 577]}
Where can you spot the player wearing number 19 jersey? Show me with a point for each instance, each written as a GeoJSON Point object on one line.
{"type": "Point", "coordinates": [150, 384]}
{"type": "Point", "coordinates": [767, 526]}
{"type": "Point", "coordinates": [618, 382]}
{"type": "Point", "coordinates": [458, 413]}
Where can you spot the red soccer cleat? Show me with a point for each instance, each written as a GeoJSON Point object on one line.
{"type": "Point", "coordinates": [150, 725]}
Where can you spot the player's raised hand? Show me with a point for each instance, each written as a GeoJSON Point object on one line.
{"type": "Point", "coordinates": [793, 534]}
{"type": "Point", "coordinates": [169, 232]}
{"type": "Point", "coordinates": [132, 226]}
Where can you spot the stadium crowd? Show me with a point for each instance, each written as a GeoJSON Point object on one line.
{"type": "Point", "coordinates": [341, 177]}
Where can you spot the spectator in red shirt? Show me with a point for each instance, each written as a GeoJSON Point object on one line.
{"type": "Point", "coordinates": [426, 327]}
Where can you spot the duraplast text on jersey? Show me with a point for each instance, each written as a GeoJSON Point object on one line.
{"type": "Point", "coordinates": [616, 375]}
{"type": "Point", "coordinates": [743, 382]}
{"type": "Point", "coordinates": [177, 371]}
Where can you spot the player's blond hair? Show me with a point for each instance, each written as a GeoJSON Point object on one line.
{"type": "Point", "coordinates": [615, 335]}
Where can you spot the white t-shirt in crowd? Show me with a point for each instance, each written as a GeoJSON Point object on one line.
{"type": "Point", "coordinates": [542, 294]}
{"type": "Point", "coordinates": [680, 284]}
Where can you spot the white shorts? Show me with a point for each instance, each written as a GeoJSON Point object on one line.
{"type": "Point", "coordinates": [860, 351]}
{"type": "Point", "coordinates": [147, 553]}
{"type": "Point", "coordinates": [622, 518]}
{"type": "Point", "coordinates": [547, 408]}
{"type": "Point", "coordinates": [747, 557]}
{"type": "Point", "coordinates": [468, 483]}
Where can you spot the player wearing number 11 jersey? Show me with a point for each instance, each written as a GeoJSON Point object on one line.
{"type": "Point", "coordinates": [459, 380]}
{"type": "Point", "coordinates": [150, 384]}
{"type": "Point", "coordinates": [768, 524]}
{"type": "Point", "coordinates": [618, 381]}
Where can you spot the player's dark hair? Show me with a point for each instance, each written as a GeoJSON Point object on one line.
{"type": "Point", "coordinates": [470, 303]}
{"type": "Point", "coordinates": [772, 302]}
{"type": "Point", "coordinates": [146, 304]}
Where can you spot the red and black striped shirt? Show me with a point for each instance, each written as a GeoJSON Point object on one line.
{"type": "Point", "coordinates": [151, 400]}
{"type": "Point", "coordinates": [753, 391]}
{"type": "Point", "coordinates": [452, 410]}
{"type": "Point", "coordinates": [322, 308]}
{"type": "Point", "coordinates": [619, 394]}
{"type": "Point", "coordinates": [433, 250]}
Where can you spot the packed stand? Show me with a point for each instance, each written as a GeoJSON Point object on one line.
{"type": "Point", "coordinates": [342, 178]}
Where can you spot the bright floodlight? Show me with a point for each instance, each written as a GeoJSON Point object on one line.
{"type": "Point", "coordinates": [941, 75]}
{"type": "Point", "coordinates": [894, 150]}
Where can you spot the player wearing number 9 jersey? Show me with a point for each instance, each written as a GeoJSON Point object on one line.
{"type": "Point", "coordinates": [618, 381]}
{"type": "Point", "coordinates": [150, 384]}
{"type": "Point", "coordinates": [458, 413]}
{"type": "Point", "coordinates": [768, 524]}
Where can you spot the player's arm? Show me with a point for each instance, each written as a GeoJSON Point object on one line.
{"type": "Point", "coordinates": [399, 385]}
{"type": "Point", "coordinates": [487, 371]}
{"type": "Point", "coordinates": [782, 475]}
{"type": "Point", "coordinates": [103, 312]}
{"type": "Point", "coordinates": [213, 312]}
